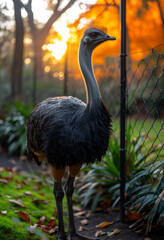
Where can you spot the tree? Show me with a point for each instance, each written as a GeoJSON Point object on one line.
{"type": "Point", "coordinates": [17, 66]}
{"type": "Point", "coordinates": [39, 35]}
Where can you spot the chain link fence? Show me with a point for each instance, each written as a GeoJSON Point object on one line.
{"type": "Point", "coordinates": [145, 130]}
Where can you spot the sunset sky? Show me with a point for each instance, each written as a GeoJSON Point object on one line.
{"type": "Point", "coordinates": [144, 25]}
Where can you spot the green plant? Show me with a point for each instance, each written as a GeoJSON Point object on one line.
{"type": "Point", "coordinates": [146, 193]}
{"type": "Point", "coordinates": [102, 182]}
{"type": "Point", "coordinates": [12, 128]}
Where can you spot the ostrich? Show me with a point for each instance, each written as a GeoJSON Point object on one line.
{"type": "Point", "coordinates": [66, 132]}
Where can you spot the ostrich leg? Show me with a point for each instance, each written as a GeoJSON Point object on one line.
{"type": "Point", "coordinates": [59, 194]}
{"type": "Point", "coordinates": [72, 234]}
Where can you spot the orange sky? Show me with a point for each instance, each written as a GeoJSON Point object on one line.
{"type": "Point", "coordinates": [144, 31]}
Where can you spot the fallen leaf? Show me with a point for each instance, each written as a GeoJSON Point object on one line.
{"type": "Point", "coordinates": [12, 161]}
{"type": "Point", "coordinates": [84, 222]}
{"type": "Point", "coordinates": [98, 209]}
{"type": "Point", "coordinates": [51, 227]}
{"type": "Point", "coordinates": [22, 158]}
{"type": "Point", "coordinates": [8, 178]}
{"type": "Point", "coordinates": [19, 186]}
{"type": "Point", "coordinates": [116, 231]}
{"type": "Point", "coordinates": [2, 180]}
{"type": "Point", "coordinates": [34, 226]}
{"type": "Point", "coordinates": [8, 196]}
{"type": "Point", "coordinates": [88, 214]}
{"type": "Point", "coordinates": [49, 230]}
{"type": "Point", "coordinates": [16, 181]}
{"type": "Point", "coordinates": [77, 209]}
{"type": "Point", "coordinates": [41, 221]}
{"type": "Point", "coordinates": [28, 193]}
{"type": "Point", "coordinates": [15, 169]}
{"type": "Point", "coordinates": [3, 212]}
{"type": "Point", "coordinates": [42, 194]}
{"type": "Point", "coordinates": [25, 182]}
{"type": "Point", "coordinates": [79, 213]}
{"type": "Point", "coordinates": [17, 202]}
{"type": "Point", "coordinates": [24, 215]}
{"type": "Point", "coordinates": [8, 169]}
{"type": "Point", "coordinates": [99, 233]}
{"type": "Point", "coordinates": [104, 224]}
{"type": "Point", "coordinates": [80, 228]}
{"type": "Point", "coordinates": [133, 215]}
{"type": "Point", "coordinates": [37, 200]}
{"type": "Point", "coordinates": [52, 222]}
{"type": "Point", "coordinates": [55, 212]}
{"type": "Point", "coordinates": [12, 170]}
{"type": "Point", "coordinates": [37, 187]}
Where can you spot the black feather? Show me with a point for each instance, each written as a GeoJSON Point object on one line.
{"type": "Point", "coordinates": [68, 132]}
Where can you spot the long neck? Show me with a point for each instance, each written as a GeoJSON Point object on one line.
{"type": "Point", "coordinates": [92, 91]}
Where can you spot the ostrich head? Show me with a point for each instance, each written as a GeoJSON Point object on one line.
{"type": "Point", "coordinates": [93, 37]}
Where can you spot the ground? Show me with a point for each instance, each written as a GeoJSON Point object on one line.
{"type": "Point", "coordinates": [86, 222]}
{"type": "Point", "coordinates": [125, 233]}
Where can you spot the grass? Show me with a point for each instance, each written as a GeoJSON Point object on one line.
{"type": "Point", "coordinates": [14, 186]}
{"type": "Point", "coordinates": [152, 128]}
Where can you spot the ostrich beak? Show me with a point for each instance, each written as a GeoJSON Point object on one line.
{"type": "Point", "coordinates": [110, 38]}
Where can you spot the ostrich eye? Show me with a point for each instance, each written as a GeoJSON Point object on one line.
{"type": "Point", "coordinates": [93, 34]}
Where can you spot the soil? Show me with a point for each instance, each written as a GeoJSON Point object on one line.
{"type": "Point", "coordinates": [125, 232]}
{"type": "Point", "coordinates": [89, 228]}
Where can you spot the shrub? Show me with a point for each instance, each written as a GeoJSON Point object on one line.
{"type": "Point", "coordinates": [12, 128]}
{"type": "Point", "coordinates": [102, 184]}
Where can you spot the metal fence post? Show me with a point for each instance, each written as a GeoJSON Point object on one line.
{"type": "Point", "coordinates": [123, 108]}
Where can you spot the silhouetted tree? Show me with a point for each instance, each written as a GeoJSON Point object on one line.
{"type": "Point", "coordinates": [17, 66]}
{"type": "Point", "coordinates": [39, 35]}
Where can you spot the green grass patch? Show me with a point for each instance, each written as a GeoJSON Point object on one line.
{"type": "Point", "coordinates": [151, 128]}
{"type": "Point", "coordinates": [36, 195]}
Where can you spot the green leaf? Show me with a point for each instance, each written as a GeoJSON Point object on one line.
{"type": "Point", "coordinates": [96, 200]}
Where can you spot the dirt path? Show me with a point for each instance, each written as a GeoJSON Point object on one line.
{"type": "Point", "coordinates": [125, 233]}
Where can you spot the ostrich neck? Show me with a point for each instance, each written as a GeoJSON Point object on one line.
{"type": "Point", "coordinates": [92, 91]}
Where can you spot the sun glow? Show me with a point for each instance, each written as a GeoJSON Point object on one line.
{"type": "Point", "coordinates": [58, 47]}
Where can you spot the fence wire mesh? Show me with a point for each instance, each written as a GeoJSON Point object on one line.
{"type": "Point", "coordinates": [145, 129]}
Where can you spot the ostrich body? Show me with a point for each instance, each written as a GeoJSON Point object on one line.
{"type": "Point", "coordinates": [64, 131]}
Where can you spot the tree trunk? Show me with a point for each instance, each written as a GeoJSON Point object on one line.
{"type": "Point", "coordinates": [38, 57]}
{"type": "Point", "coordinates": [17, 67]}
{"type": "Point", "coordinates": [37, 69]}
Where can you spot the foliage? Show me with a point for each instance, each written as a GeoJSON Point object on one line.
{"type": "Point", "coordinates": [101, 183]}
{"type": "Point", "coordinates": [12, 128]}
{"type": "Point", "coordinates": [146, 192]}
{"type": "Point", "coordinates": [27, 206]}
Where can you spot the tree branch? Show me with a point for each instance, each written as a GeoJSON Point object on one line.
{"type": "Point", "coordinates": [28, 9]}
{"type": "Point", "coordinates": [57, 5]}
{"type": "Point", "coordinates": [56, 14]}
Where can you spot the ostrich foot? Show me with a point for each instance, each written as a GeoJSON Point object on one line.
{"type": "Point", "coordinates": [61, 236]}
{"type": "Point", "coordinates": [78, 236]}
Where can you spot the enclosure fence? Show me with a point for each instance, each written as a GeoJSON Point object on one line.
{"type": "Point", "coordinates": [144, 163]}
